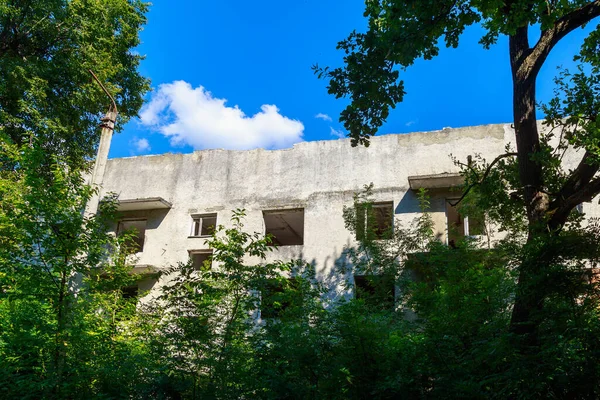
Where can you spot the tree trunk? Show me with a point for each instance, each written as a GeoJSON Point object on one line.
{"type": "Point", "coordinates": [529, 298]}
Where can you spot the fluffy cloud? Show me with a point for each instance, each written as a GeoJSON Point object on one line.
{"type": "Point", "coordinates": [324, 117]}
{"type": "Point", "coordinates": [140, 145]}
{"type": "Point", "coordinates": [195, 117]}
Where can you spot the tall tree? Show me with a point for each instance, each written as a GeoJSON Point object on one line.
{"type": "Point", "coordinates": [46, 50]}
{"type": "Point", "coordinates": [58, 341]}
{"type": "Point", "coordinates": [402, 31]}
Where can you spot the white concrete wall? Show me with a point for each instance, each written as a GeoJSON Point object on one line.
{"type": "Point", "coordinates": [319, 176]}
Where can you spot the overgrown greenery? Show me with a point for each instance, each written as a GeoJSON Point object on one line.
{"type": "Point", "coordinates": [46, 51]}
{"type": "Point", "coordinates": [250, 328]}
{"type": "Point", "coordinates": [59, 322]}
{"type": "Point", "coordinates": [446, 335]}
{"type": "Point", "coordinates": [530, 190]}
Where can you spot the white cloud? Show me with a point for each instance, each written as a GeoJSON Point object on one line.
{"type": "Point", "coordinates": [410, 123]}
{"type": "Point", "coordinates": [324, 117]}
{"type": "Point", "coordinates": [193, 116]}
{"type": "Point", "coordinates": [140, 145]}
{"type": "Point", "coordinates": [337, 133]}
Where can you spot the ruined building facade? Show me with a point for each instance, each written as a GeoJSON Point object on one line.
{"type": "Point", "coordinates": [297, 194]}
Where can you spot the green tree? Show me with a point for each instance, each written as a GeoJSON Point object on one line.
{"type": "Point", "coordinates": [449, 336]}
{"type": "Point", "coordinates": [208, 320]}
{"type": "Point", "coordinates": [544, 193]}
{"type": "Point", "coordinates": [46, 50]}
{"type": "Point", "coordinates": [61, 276]}
{"type": "Point", "coordinates": [61, 333]}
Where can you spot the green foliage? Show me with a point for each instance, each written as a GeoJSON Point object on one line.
{"type": "Point", "coordinates": [206, 330]}
{"type": "Point", "coordinates": [46, 50]}
{"type": "Point", "coordinates": [63, 318]}
{"type": "Point", "coordinates": [529, 194]}
{"type": "Point", "coordinates": [382, 257]}
{"type": "Point", "coordinates": [61, 309]}
{"type": "Point", "coordinates": [450, 336]}
{"type": "Point", "coordinates": [403, 31]}
{"type": "Point", "coordinates": [248, 327]}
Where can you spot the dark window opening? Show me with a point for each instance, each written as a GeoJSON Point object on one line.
{"type": "Point", "coordinates": [286, 227]}
{"type": "Point", "coordinates": [460, 226]}
{"type": "Point", "coordinates": [136, 231]}
{"type": "Point", "coordinates": [377, 291]}
{"type": "Point", "coordinates": [201, 260]}
{"type": "Point", "coordinates": [277, 296]}
{"type": "Point", "coordinates": [204, 225]}
{"type": "Point", "coordinates": [130, 292]}
{"type": "Point", "coordinates": [375, 221]}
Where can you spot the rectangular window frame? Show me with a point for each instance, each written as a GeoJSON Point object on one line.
{"type": "Point", "coordinates": [466, 229]}
{"type": "Point", "coordinates": [191, 253]}
{"type": "Point", "coordinates": [362, 221]}
{"type": "Point", "coordinates": [198, 222]}
{"type": "Point", "coordinates": [120, 230]}
{"type": "Point", "coordinates": [300, 236]}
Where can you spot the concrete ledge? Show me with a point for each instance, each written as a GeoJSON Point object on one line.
{"type": "Point", "coordinates": [143, 269]}
{"type": "Point", "coordinates": [436, 181]}
{"type": "Point", "coordinates": [148, 203]}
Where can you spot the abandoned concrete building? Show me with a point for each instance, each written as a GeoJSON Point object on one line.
{"type": "Point", "coordinates": [296, 194]}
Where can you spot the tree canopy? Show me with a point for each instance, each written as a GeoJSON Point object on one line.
{"type": "Point", "coordinates": [46, 50]}
{"type": "Point", "coordinates": [400, 32]}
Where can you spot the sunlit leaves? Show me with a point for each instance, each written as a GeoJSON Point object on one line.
{"type": "Point", "coordinates": [46, 91]}
{"type": "Point", "coordinates": [402, 31]}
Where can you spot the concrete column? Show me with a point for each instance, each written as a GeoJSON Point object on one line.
{"type": "Point", "coordinates": [108, 126]}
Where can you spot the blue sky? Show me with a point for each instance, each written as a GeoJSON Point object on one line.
{"type": "Point", "coordinates": [237, 74]}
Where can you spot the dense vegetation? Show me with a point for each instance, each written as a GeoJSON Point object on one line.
{"type": "Point", "coordinates": [246, 328]}
{"type": "Point", "coordinates": [545, 191]}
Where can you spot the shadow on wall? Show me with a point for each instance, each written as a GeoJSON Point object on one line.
{"type": "Point", "coordinates": [156, 217]}
{"type": "Point", "coordinates": [335, 273]}
{"type": "Point", "coordinates": [409, 204]}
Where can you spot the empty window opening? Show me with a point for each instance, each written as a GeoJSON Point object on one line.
{"type": "Point", "coordinates": [278, 296]}
{"type": "Point", "coordinates": [201, 260]}
{"type": "Point", "coordinates": [460, 226]}
{"type": "Point", "coordinates": [378, 291]}
{"type": "Point", "coordinates": [130, 292]}
{"type": "Point", "coordinates": [285, 226]}
{"type": "Point", "coordinates": [375, 221]}
{"type": "Point", "coordinates": [204, 225]}
{"type": "Point", "coordinates": [136, 231]}
{"type": "Point", "coordinates": [140, 288]}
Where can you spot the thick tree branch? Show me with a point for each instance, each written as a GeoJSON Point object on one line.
{"type": "Point", "coordinates": [561, 213]}
{"type": "Point", "coordinates": [580, 177]}
{"type": "Point", "coordinates": [551, 36]}
{"type": "Point", "coordinates": [485, 175]}
{"type": "Point", "coordinates": [519, 52]}
{"type": "Point", "coordinates": [574, 191]}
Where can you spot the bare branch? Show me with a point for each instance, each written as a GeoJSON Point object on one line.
{"type": "Point", "coordinates": [485, 175]}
